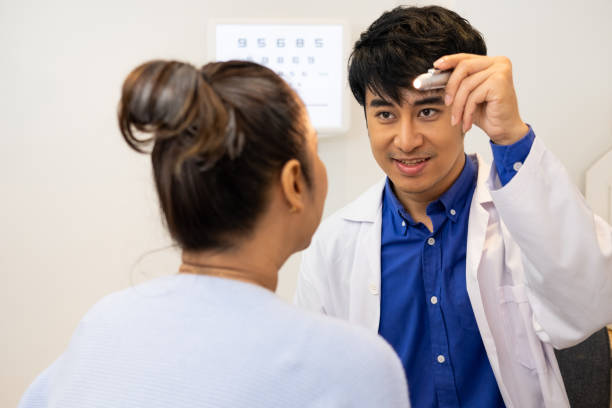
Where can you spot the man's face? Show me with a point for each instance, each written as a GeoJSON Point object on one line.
{"type": "Point", "coordinates": [414, 143]}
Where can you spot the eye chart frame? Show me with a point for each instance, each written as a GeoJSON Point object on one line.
{"type": "Point", "coordinates": [310, 54]}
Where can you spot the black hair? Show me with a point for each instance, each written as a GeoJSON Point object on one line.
{"type": "Point", "coordinates": [405, 42]}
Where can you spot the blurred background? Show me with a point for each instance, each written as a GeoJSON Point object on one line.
{"type": "Point", "coordinates": [78, 213]}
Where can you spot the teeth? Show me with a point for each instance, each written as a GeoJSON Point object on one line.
{"type": "Point", "coordinates": [411, 162]}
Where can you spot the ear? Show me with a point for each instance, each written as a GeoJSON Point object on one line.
{"type": "Point", "coordinates": [293, 185]}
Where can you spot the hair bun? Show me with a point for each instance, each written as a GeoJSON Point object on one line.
{"type": "Point", "coordinates": [158, 97]}
{"type": "Point", "coordinates": [172, 99]}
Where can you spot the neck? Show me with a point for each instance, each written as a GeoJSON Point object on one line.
{"type": "Point", "coordinates": [254, 257]}
{"type": "Point", "coordinates": [418, 212]}
{"type": "Point", "coordinates": [232, 264]}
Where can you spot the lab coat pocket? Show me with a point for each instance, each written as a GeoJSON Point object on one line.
{"type": "Point", "coordinates": [520, 334]}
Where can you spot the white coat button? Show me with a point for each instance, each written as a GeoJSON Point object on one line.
{"type": "Point", "coordinates": [452, 211]}
{"type": "Point", "coordinates": [517, 166]}
{"type": "Point", "coordinates": [403, 223]}
{"type": "Point", "coordinates": [373, 288]}
{"type": "Point", "coordinates": [434, 300]}
{"type": "Point", "coordinates": [431, 240]}
{"type": "Point", "coordinates": [441, 359]}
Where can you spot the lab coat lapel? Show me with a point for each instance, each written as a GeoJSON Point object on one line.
{"type": "Point", "coordinates": [371, 247]}
{"type": "Point", "coordinates": [478, 222]}
{"type": "Point", "coordinates": [478, 225]}
{"type": "Point", "coordinates": [365, 282]}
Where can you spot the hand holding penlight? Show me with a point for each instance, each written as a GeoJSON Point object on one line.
{"type": "Point", "coordinates": [432, 79]}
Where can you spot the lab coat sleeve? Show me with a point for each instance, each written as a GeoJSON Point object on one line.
{"type": "Point", "coordinates": [566, 248]}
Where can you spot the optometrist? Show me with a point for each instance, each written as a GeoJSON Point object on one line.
{"type": "Point", "coordinates": [473, 272]}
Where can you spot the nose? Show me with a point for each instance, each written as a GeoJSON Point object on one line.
{"type": "Point", "coordinates": [408, 137]}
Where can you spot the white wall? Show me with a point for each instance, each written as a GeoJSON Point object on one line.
{"type": "Point", "coordinates": [553, 44]}
{"type": "Point", "coordinates": [77, 209]}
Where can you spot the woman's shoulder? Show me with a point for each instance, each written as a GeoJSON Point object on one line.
{"type": "Point", "coordinates": [360, 368]}
{"type": "Point", "coordinates": [330, 335]}
{"type": "Point", "coordinates": [165, 294]}
{"type": "Point", "coordinates": [120, 301]}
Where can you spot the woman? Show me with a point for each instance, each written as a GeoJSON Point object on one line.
{"type": "Point", "coordinates": [241, 188]}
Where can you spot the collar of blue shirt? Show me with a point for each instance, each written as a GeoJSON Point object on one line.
{"type": "Point", "coordinates": [447, 202]}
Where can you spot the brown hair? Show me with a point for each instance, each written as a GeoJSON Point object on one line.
{"type": "Point", "coordinates": [220, 134]}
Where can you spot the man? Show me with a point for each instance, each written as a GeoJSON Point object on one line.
{"type": "Point", "coordinates": [472, 272]}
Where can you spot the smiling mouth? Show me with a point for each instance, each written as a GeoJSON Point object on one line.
{"type": "Point", "coordinates": [412, 162]}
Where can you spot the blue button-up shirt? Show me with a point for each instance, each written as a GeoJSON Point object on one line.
{"type": "Point", "coordinates": [426, 313]}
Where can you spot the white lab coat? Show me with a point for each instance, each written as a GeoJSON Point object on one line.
{"type": "Point", "coordinates": [538, 272]}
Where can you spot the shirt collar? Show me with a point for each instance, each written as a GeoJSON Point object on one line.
{"type": "Point", "coordinates": [396, 207]}
{"type": "Point", "coordinates": [450, 200]}
{"type": "Point", "coordinates": [453, 198]}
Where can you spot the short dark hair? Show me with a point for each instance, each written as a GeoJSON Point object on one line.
{"type": "Point", "coordinates": [220, 135]}
{"type": "Point", "coordinates": [405, 42]}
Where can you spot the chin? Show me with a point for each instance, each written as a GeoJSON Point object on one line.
{"type": "Point", "coordinates": [412, 187]}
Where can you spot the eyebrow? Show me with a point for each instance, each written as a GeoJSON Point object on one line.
{"type": "Point", "coordinates": [431, 100]}
{"type": "Point", "coordinates": [378, 102]}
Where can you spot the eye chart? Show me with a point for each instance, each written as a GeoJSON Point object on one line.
{"type": "Point", "coordinates": [311, 57]}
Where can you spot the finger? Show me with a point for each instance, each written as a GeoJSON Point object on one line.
{"type": "Point", "coordinates": [451, 61]}
{"type": "Point", "coordinates": [465, 89]}
{"type": "Point", "coordinates": [478, 96]}
{"type": "Point", "coordinates": [463, 70]}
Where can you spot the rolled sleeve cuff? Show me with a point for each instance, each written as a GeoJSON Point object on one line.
{"type": "Point", "coordinates": [509, 159]}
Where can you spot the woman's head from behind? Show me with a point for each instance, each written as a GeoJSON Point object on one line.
{"type": "Point", "coordinates": [228, 139]}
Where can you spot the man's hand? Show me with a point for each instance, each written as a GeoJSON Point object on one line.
{"type": "Point", "coordinates": [481, 92]}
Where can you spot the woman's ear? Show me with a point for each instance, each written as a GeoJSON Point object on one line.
{"type": "Point", "coordinates": [293, 185]}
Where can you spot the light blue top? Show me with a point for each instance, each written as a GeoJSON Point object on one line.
{"type": "Point", "coordinates": [200, 341]}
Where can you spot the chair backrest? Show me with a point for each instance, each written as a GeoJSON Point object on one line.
{"type": "Point", "coordinates": [598, 186]}
{"type": "Point", "coordinates": [585, 369]}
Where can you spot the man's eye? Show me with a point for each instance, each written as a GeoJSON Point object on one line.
{"type": "Point", "coordinates": [428, 112]}
{"type": "Point", "coordinates": [385, 115]}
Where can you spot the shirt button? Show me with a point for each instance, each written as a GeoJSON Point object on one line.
{"type": "Point", "coordinates": [373, 288]}
{"type": "Point", "coordinates": [434, 300]}
{"type": "Point", "coordinates": [517, 166]}
{"type": "Point", "coordinates": [452, 211]}
{"type": "Point", "coordinates": [403, 223]}
{"type": "Point", "coordinates": [441, 359]}
{"type": "Point", "coordinates": [431, 240]}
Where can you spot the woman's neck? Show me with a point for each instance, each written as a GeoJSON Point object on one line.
{"type": "Point", "coordinates": [241, 265]}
